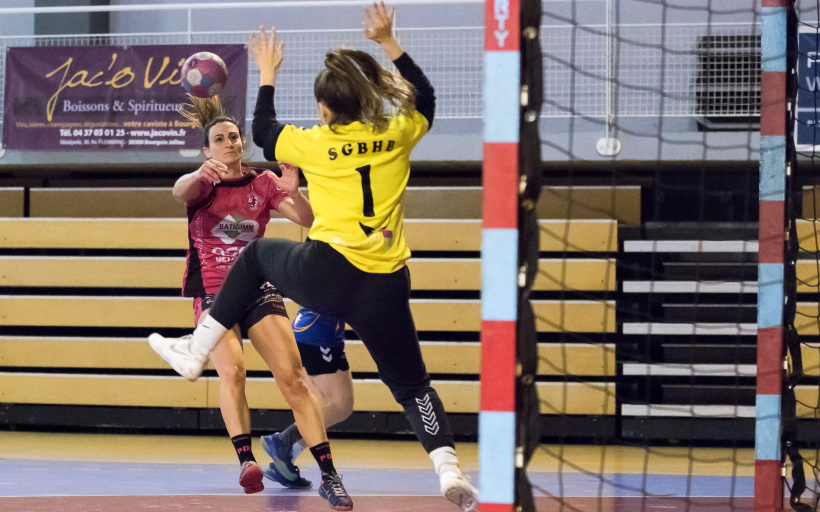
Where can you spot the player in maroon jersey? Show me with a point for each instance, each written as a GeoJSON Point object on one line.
{"type": "Point", "coordinates": [228, 205]}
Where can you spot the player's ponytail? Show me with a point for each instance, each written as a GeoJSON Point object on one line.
{"type": "Point", "coordinates": [354, 87]}
{"type": "Point", "coordinates": [204, 113]}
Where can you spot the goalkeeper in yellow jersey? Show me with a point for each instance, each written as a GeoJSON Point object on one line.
{"type": "Point", "coordinates": [353, 265]}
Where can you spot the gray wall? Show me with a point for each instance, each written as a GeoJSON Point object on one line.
{"type": "Point", "coordinates": [643, 137]}
{"type": "Point", "coordinates": [307, 18]}
{"type": "Point", "coordinates": [71, 23]}
{"type": "Point", "coordinates": [18, 24]}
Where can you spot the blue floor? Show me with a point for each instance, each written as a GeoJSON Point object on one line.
{"type": "Point", "coordinates": [68, 478]}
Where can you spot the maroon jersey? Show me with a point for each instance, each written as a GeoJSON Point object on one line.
{"type": "Point", "coordinates": [221, 223]}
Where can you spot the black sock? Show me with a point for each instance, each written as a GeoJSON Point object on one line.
{"type": "Point", "coordinates": [242, 445]}
{"type": "Point", "coordinates": [321, 452]}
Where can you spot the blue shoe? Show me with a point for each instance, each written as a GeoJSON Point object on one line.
{"type": "Point", "coordinates": [282, 469]}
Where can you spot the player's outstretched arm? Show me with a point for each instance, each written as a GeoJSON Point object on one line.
{"type": "Point", "coordinates": [268, 55]}
{"type": "Point", "coordinates": [378, 27]}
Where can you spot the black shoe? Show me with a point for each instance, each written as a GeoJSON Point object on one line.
{"type": "Point", "coordinates": [334, 492]}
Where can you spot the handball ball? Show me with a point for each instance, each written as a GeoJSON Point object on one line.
{"type": "Point", "coordinates": [204, 74]}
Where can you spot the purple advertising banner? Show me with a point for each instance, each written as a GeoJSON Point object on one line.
{"type": "Point", "coordinates": [110, 97]}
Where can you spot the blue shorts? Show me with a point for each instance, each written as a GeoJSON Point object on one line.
{"type": "Point", "coordinates": [321, 341]}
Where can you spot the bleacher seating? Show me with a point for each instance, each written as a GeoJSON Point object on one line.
{"type": "Point", "coordinates": [808, 309]}
{"type": "Point", "coordinates": [620, 203]}
{"type": "Point", "coordinates": [12, 201]}
{"type": "Point", "coordinates": [91, 271]}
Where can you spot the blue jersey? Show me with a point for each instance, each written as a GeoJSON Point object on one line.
{"type": "Point", "coordinates": [311, 328]}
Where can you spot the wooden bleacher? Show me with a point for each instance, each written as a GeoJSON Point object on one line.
{"type": "Point", "coordinates": [58, 274]}
{"type": "Point", "coordinates": [166, 272]}
{"type": "Point", "coordinates": [12, 201]}
{"type": "Point", "coordinates": [621, 203]}
{"type": "Point", "coordinates": [807, 319]}
{"type": "Point", "coordinates": [421, 234]}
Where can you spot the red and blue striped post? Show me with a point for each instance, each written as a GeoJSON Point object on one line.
{"type": "Point", "coordinates": [771, 234]}
{"type": "Point", "coordinates": [499, 255]}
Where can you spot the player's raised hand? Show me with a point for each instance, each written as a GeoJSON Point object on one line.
{"type": "Point", "coordinates": [378, 22]}
{"type": "Point", "coordinates": [378, 27]}
{"type": "Point", "coordinates": [267, 53]}
{"type": "Point", "coordinates": [211, 171]}
{"type": "Point", "coordinates": [289, 182]}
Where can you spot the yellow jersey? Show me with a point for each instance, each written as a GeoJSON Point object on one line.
{"type": "Point", "coordinates": [356, 181]}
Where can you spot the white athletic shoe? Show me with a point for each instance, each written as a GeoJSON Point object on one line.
{"type": "Point", "coordinates": [177, 351]}
{"type": "Point", "coordinates": [457, 489]}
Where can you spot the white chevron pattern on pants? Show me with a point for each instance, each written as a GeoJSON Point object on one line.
{"type": "Point", "coordinates": [428, 415]}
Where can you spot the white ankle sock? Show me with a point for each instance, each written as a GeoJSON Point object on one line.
{"type": "Point", "coordinates": [444, 459]}
{"type": "Point", "coordinates": [206, 336]}
{"type": "Point", "coordinates": [298, 447]}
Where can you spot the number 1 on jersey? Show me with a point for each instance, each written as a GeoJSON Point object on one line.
{"type": "Point", "coordinates": [366, 191]}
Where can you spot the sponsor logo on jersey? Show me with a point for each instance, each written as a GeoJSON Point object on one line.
{"type": "Point", "coordinates": [254, 201]}
{"type": "Point", "coordinates": [234, 227]}
{"type": "Point", "coordinates": [226, 256]}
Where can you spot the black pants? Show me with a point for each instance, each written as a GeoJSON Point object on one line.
{"type": "Point", "coordinates": [376, 306]}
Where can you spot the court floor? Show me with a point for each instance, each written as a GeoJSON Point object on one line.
{"type": "Point", "coordinates": [124, 473]}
